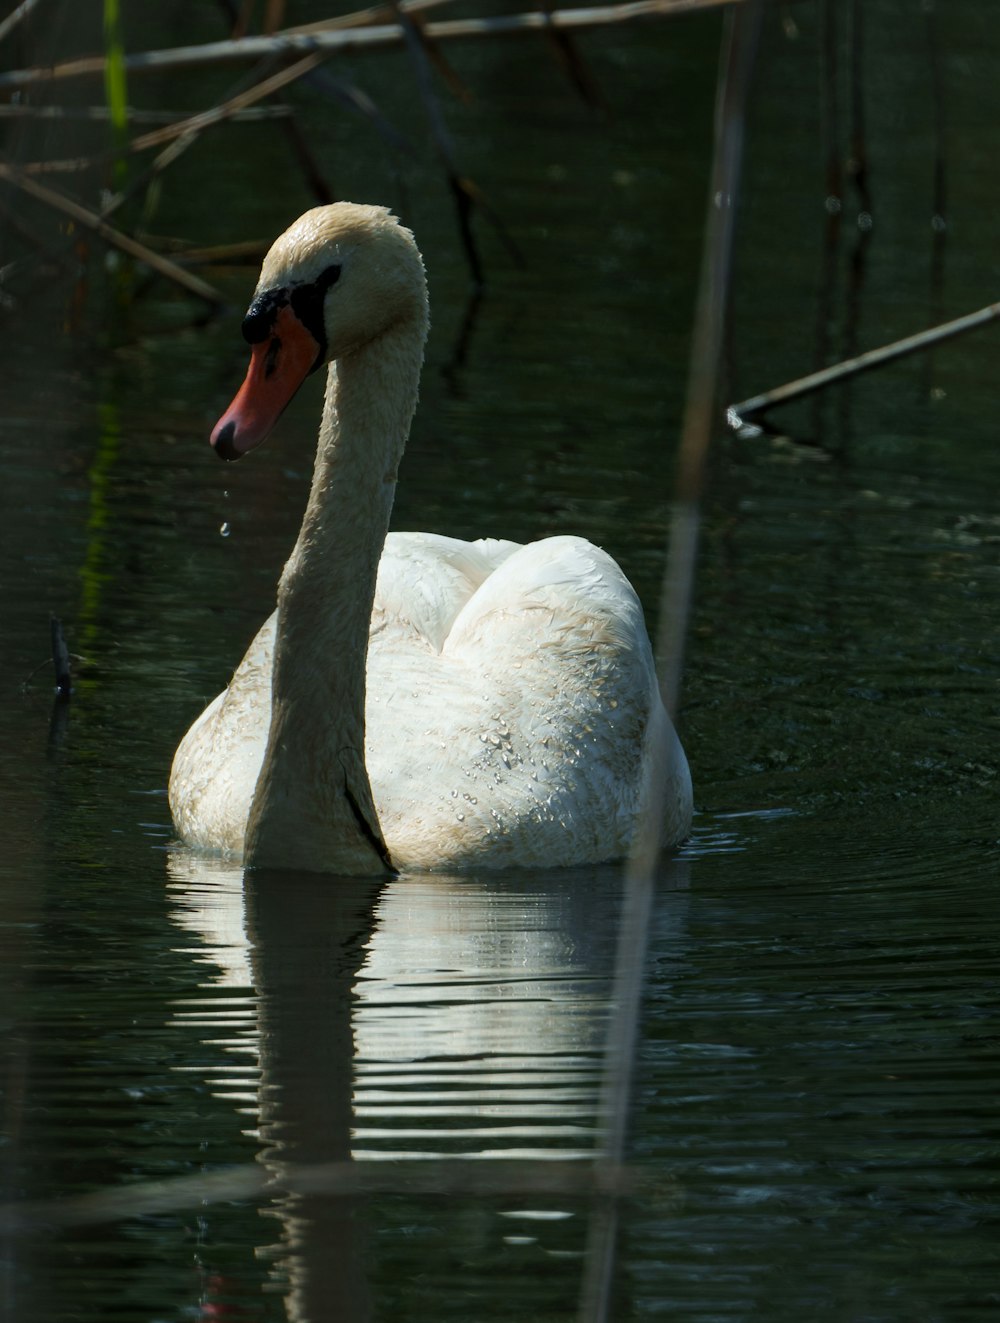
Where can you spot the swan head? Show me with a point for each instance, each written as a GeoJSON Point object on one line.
{"type": "Point", "coordinates": [335, 281]}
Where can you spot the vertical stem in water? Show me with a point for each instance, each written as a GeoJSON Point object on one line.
{"type": "Point", "coordinates": [939, 203]}
{"type": "Point", "coordinates": [115, 86]}
{"type": "Point", "coordinates": [700, 418]}
{"type": "Point", "coordinates": [833, 201]}
{"type": "Point", "coordinates": [116, 95]}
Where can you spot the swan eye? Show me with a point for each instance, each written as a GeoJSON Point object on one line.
{"type": "Point", "coordinates": [307, 304]}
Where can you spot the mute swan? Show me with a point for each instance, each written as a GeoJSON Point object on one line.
{"type": "Point", "coordinates": [509, 688]}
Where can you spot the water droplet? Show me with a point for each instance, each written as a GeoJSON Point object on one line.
{"type": "Point", "coordinates": [225, 530]}
{"type": "Point", "coordinates": [454, 795]}
{"type": "Point", "coordinates": [460, 816]}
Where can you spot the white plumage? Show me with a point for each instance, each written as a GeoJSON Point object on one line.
{"type": "Point", "coordinates": [508, 689]}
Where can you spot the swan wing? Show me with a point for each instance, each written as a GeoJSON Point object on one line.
{"type": "Point", "coordinates": [509, 692]}
{"type": "Point", "coordinates": [217, 763]}
{"type": "Point", "coordinates": [424, 581]}
{"type": "Point", "coordinates": [519, 742]}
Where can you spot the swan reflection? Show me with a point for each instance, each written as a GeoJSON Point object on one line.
{"type": "Point", "coordinates": [421, 1018]}
{"type": "Point", "coordinates": [454, 1016]}
{"type": "Point", "coordinates": [479, 1020]}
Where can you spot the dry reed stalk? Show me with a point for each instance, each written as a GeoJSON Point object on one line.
{"type": "Point", "coordinates": [190, 126]}
{"type": "Point", "coordinates": [283, 44]}
{"type": "Point", "coordinates": [247, 252]}
{"type": "Point", "coordinates": [370, 17]}
{"type": "Point", "coordinates": [16, 16]}
{"type": "Point", "coordinates": [102, 114]}
{"type": "Point", "coordinates": [206, 118]}
{"type": "Point", "coordinates": [91, 221]}
{"type": "Point", "coordinates": [700, 419]}
{"type": "Point", "coordinates": [739, 413]}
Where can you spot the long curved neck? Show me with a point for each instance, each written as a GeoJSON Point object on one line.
{"type": "Point", "coordinates": [312, 807]}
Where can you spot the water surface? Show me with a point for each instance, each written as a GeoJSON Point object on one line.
{"type": "Point", "coordinates": [815, 1129]}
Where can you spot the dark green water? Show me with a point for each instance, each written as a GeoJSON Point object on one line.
{"type": "Point", "coordinates": [815, 1131]}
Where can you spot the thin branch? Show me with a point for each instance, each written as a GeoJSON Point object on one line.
{"type": "Point", "coordinates": [571, 62]}
{"type": "Point", "coordinates": [436, 56]}
{"type": "Point", "coordinates": [361, 18]}
{"type": "Point", "coordinates": [16, 16]}
{"type": "Point", "coordinates": [179, 137]}
{"type": "Point", "coordinates": [737, 414]}
{"type": "Point", "coordinates": [91, 221]}
{"type": "Point", "coordinates": [249, 252]}
{"type": "Point", "coordinates": [419, 48]}
{"type": "Point", "coordinates": [192, 125]}
{"type": "Point", "coordinates": [102, 113]}
{"type": "Point", "coordinates": [284, 44]}
{"type": "Point", "coordinates": [206, 118]}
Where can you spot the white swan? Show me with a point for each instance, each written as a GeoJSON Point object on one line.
{"type": "Point", "coordinates": [509, 688]}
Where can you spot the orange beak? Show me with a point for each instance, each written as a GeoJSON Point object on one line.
{"type": "Point", "coordinates": [278, 366]}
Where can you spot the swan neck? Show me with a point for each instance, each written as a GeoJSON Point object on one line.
{"type": "Point", "coordinates": [313, 805]}
{"type": "Point", "coordinates": [370, 399]}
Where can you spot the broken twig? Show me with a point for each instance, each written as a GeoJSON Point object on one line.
{"type": "Point", "coordinates": [738, 414]}
{"type": "Point", "coordinates": [91, 221]}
